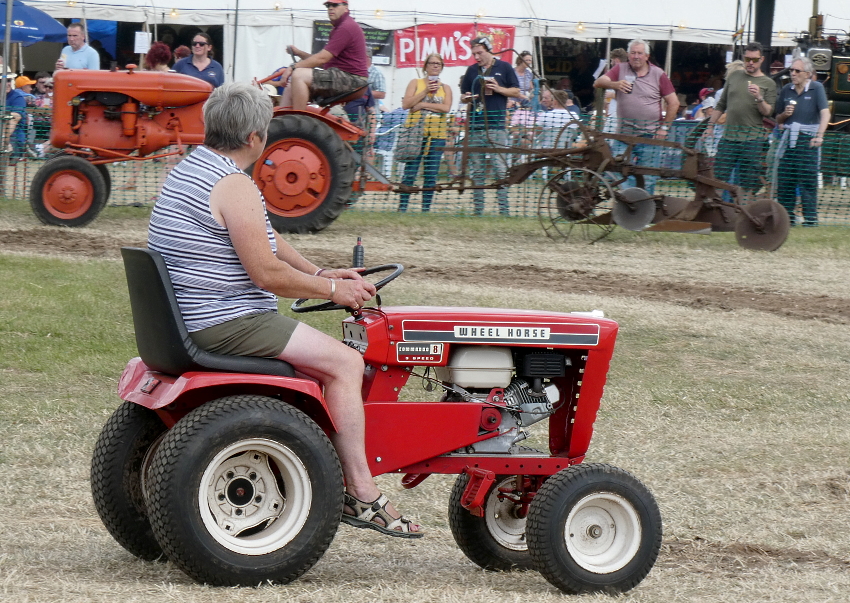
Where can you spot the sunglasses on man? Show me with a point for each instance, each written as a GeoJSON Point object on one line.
{"type": "Point", "coordinates": [752, 59]}
{"type": "Point", "coordinates": [334, 4]}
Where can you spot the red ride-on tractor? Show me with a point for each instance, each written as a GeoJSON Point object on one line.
{"type": "Point", "coordinates": [224, 463]}
{"type": "Point", "coordinates": [102, 117]}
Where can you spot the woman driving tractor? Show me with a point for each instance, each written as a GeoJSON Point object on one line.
{"type": "Point", "coordinates": [228, 266]}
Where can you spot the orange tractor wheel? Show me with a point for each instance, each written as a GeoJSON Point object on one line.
{"type": "Point", "coordinates": [68, 191]}
{"type": "Point", "coordinates": [305, 174]}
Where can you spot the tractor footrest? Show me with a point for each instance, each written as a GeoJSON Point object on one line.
{"type": "Point", "coordinates": [411, 480]}
{"type": "Point", "coordinates": [476, 490]}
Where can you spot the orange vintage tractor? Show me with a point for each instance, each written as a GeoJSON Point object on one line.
{"type": "Point", "coordinates": [100, 117]}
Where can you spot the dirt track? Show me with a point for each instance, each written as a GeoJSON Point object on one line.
{"type": "Point", "coordinates": [696, 295]}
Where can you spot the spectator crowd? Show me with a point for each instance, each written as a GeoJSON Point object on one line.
{"type": "Point", "coordinates": [755, 131]}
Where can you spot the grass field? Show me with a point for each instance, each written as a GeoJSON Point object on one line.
{"type": "Point", "coordinates": [728, 396]}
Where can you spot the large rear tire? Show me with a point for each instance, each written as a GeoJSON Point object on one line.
{"type": "Point", "coordinates": [107, 178]}
{"type": "Point", "coordinates": [496, 541]}
{"type": "Point", "coordinates": [68, 191]}
{"type": "Point", "coordinates": [305, 174]}
{"type": "Point", "coordinates": [245, 490]}
{"type": "Point", "coordinates": [594, 528]}
{"type": "Point", "coordinates": [119, 463]}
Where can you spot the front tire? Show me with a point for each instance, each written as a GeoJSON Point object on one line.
{"type": "Point", "coordinates": [305, 174]}
{"type": "Point", "coordinates": [244, 490]}
{"type": "Point", "coordinates": [118, 469]}
{"type": "Point", "coordinates": [496, 541]}
{"type": "Point", "coordinates": [594, 528]}
{"type": "Point", "coordinates": [68, 191]}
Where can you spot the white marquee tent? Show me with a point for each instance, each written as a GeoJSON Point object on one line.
{"type": "Point", "coordinates": [259, 30]}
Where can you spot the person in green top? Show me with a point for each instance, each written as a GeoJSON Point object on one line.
{"type": "Point", "coordinates": [748, 97]}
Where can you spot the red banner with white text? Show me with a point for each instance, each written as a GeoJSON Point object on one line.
{"type": "Point", "coordinates": [450, 41]}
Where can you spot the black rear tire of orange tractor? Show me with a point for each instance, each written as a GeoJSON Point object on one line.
{"type": "Point", "coordinates": [305, 174]}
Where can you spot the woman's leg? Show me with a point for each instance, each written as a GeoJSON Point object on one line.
{"type": "Point", "coordinates": [430, 171]}
{"type": "Point", "coordinates": [340, 370]}
{"type": "Point", "coordinates": [411, 168]}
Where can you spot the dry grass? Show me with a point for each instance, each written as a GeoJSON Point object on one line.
{"type": "Point", "coordinates": [735, 418]}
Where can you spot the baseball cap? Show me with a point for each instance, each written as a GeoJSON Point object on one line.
{"type": "Point", "coordinates": [777, 65]}
{"type": "Point", "coordinates": [270, 90]}
{"type": "Point", "coordinates": [23, 80]}
{"type": "Point", "coordinates": [709, 102]}
{"type": "Point", "coordinates": [705, 92]}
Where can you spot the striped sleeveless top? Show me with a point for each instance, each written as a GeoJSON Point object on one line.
{"type": "Point", "coordinates": [211, 285]}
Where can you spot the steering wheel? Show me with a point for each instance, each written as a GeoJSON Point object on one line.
{"type": "Point", "coordinates": [298, 305]}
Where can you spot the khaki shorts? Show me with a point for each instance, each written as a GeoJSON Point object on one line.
{"type": "Point", "coordinates": [333, 82]}
{"type": "Point", "coordinates": [264, 335]}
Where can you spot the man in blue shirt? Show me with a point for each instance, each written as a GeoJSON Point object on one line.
{"type": "Point", "coordinates": [487, 85]}
{"type": "Point", "coordinates": [802, 110]}
{"type": "Point", "coordinates": [77, 54]}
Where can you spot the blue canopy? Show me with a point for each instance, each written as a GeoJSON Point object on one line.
{"type": "Point", "coordinates": [30, 25]}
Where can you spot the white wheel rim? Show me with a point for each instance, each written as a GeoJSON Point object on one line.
{"type": "Point", "coordinates": [247, 506]}
{"type": "Point", "coordinates": [500, 517]}
{"type": "Point", "coordinates": [603, 533]}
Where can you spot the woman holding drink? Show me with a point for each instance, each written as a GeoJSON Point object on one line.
{"type": "Point", "coordinates": [429, 99]}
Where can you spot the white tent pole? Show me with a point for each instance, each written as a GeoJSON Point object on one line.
{"type": "Point", "coordinates": [668, 61]}
{"type": "Point", "coordinates": [235, 35]}
{"type": "Point", "coordinates": [542, 71]}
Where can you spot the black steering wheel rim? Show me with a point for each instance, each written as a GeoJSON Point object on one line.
{"type": "Point", "coordinates": [299, 307]}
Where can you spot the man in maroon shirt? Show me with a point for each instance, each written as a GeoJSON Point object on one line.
{"type": "Point", "coordinates": [345, 66]}
{"type": "Point", "coordinates": [641, 90]}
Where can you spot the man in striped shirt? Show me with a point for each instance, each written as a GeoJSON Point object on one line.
{"type": "Point", "coordinates": [228, 266]}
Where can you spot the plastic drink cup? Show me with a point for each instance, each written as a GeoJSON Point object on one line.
{"type": "Point", "coordinates": [488, 91]}
{"type": "Point", "coordinates": [631, 80]}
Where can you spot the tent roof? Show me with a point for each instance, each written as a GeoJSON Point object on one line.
{"type": "Point", "coordinates": [659, 20]}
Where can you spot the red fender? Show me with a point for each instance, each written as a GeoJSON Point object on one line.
{"type": "Point", "coordinates": [173, 397]}
{"type": "Point", "coordinates": [344, 128]}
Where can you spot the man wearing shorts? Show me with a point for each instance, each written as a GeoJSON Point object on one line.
{"type": "Point", "coordinates": [345, 66]}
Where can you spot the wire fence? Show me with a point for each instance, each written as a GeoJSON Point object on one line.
{"type": "Point", "coordinates": [812, 183]}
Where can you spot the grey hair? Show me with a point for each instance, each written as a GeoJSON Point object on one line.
{"type": "Point", "coordinates": [79, 26]}
{"type": "Point", "coordinates": [637, 41]}
{"type": "Point", "coordinates": [808, 66]}
{"type": "Point", "coordinates": [232, 112]}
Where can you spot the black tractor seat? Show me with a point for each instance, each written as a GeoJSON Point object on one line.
{"type": "Point", "coordinates": [345, 97]}
{"type": "Point", "coordinates": [161, 335]}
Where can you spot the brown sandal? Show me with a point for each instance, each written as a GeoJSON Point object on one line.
{"type": "Point", "coordinates": [366, 512]}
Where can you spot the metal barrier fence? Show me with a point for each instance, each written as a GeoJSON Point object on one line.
{"type": "Point", "coordinates": [777, 163]}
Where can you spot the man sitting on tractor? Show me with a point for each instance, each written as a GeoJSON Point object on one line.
{"type": "Point", "coordinates": [344, 62]}
{"type": "Point", "coordinates": [228, 266]}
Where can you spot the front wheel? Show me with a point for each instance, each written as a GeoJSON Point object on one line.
{"type": "Point", "coordinates": [245, 490]}
{"type": "Point", "coordinates": [305, 174]}
{"type": "Point", "coordinates": [594, 528]}
{"type": "Point", "coordinates": [496, 541]}
{"type": "Point", "coordinates": [68, 191]}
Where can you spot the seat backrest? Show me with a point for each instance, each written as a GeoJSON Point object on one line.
{"type": "Point", "coordinates": [161, 335]}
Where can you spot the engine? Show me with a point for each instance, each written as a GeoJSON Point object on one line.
{"type": "Point", "coordinates": [527, 396]}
